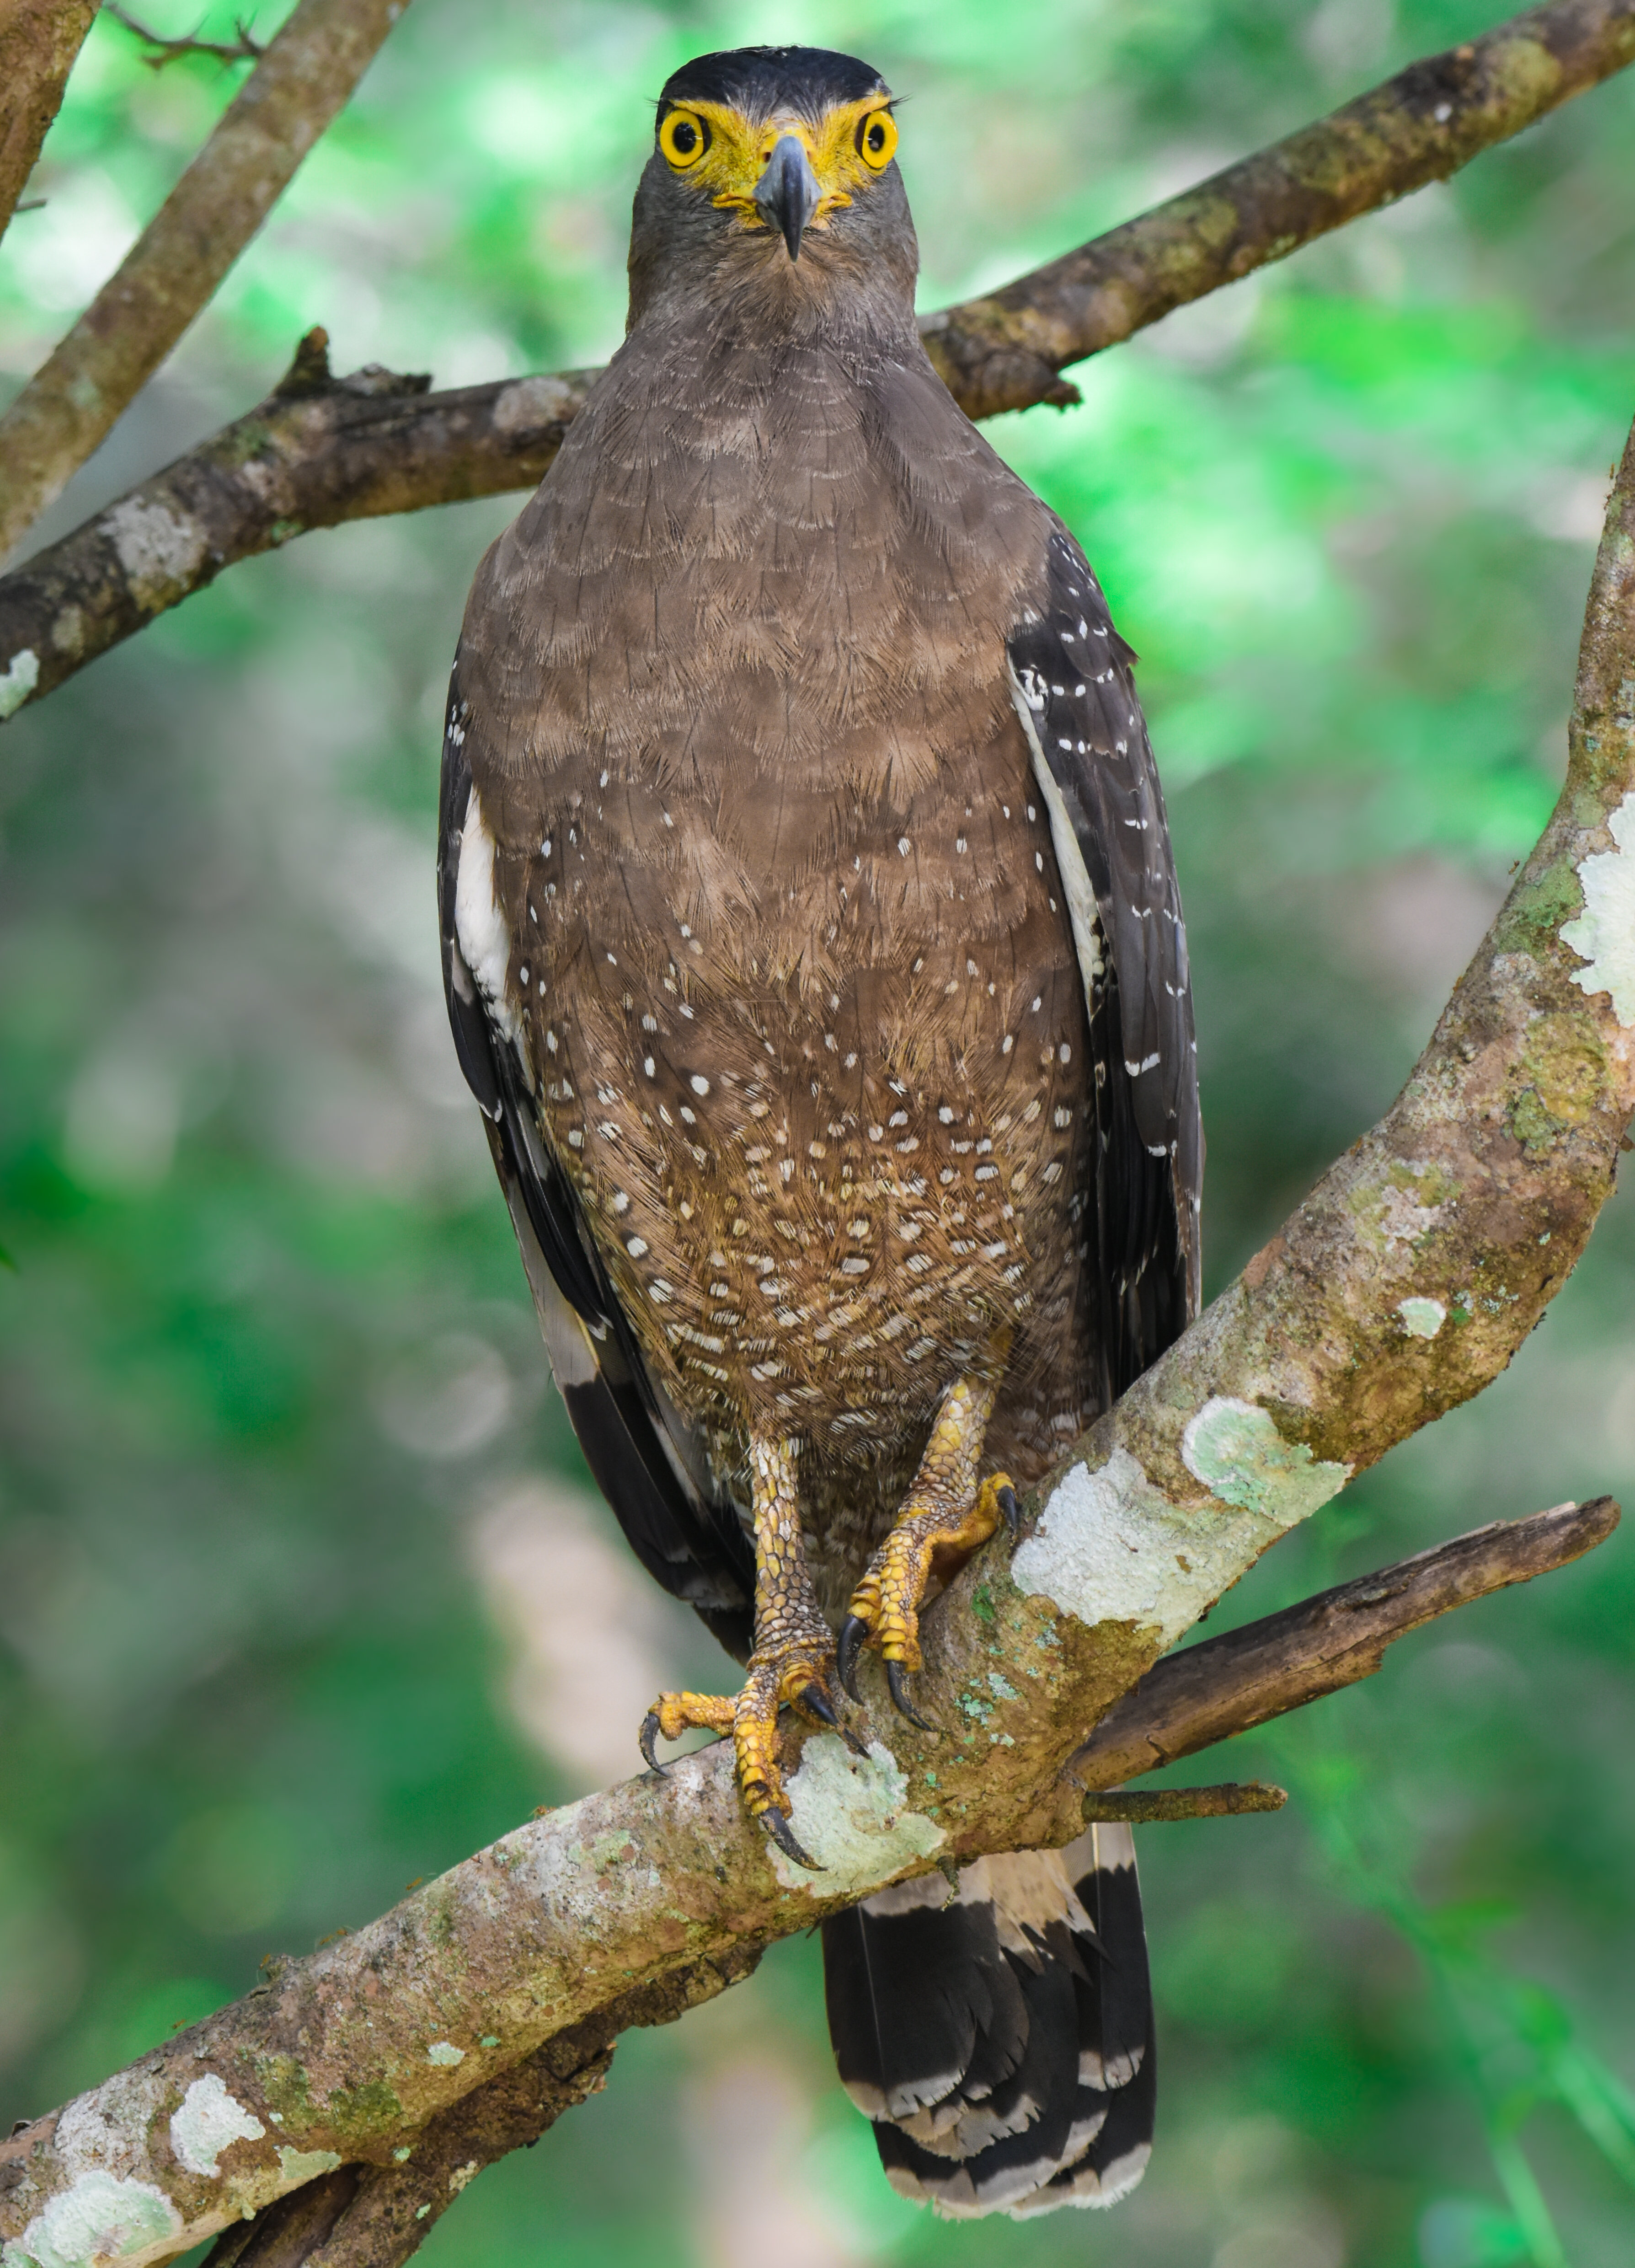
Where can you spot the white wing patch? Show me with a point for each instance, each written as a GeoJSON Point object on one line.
{"type": "Point", "coordinates": [485, 941]}
{"type": "Point", "coordinates": [1075, 878]}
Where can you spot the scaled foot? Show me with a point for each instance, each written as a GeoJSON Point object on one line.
{"type": "Point", "coordinates": [799, 1673]}
{"type": "Point", "coordinates": [884, 1612]}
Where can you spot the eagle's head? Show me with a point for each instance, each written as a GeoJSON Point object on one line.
{"type": "Point", "coordinates": [774, 167]}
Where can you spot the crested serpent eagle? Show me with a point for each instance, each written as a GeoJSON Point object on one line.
{"type": "Point", "coordinates": [813, 948]}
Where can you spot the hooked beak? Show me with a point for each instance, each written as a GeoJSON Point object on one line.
{"type": "Point", "coordinates": [787, 195]}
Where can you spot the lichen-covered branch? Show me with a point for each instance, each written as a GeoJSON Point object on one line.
{"type": "Point", "coordinates": [289, 465]}
{"type": "Point", "coordinates": [374, 2216]}
{"type": "Point", "coordinates": [1004, 351]}
{"type": "Point", "coordinates": [39, 40]}
{"type": "Point", "coordinates": [318, 451]}
{"type": "Point", "coordinates": [346, 2103]}
{"type": "Point", "coordinates": [308, 71]}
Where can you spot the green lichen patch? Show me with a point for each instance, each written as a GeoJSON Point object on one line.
{"type": "Point", "coordinates": [359, 2112]}
{"type": "Point", "coordinates": [285, 2086]}
{"type": "Point", "coordinates": [1564, 1061]}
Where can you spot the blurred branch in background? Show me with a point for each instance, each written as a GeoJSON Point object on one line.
{"type": "Point", "coordinates": [375, 2213]}
{"type": "Point", "coordinates": [315, 454]}
{"type": "Point", "coordinates": [243, 47]}
{"type": "Point", "coordinates": [173, 270]}
{"type": "Point", "coordinates": [39, 40]}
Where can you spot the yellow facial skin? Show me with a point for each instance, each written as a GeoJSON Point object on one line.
{"type": "Point", "coordinates": [727, 154]}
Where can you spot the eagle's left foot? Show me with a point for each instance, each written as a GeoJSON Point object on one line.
{"type": "Point", "coordinates": [946, 1518]}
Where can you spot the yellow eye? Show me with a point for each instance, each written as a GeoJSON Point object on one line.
{"type": "Point", "coordinates": [684, 137]}
{"type": "Point", "coordinates": [877, 139]}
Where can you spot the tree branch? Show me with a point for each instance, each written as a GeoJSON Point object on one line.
{"type": "Point", "coordinates": [39, 40]}
{"type": "Point", "coordinates": [243, 47]}
{"type": "Point", "coordinates": [358, 2205]}
{"type": "Point", "coordinates": [306, 459]}
{"type": "Point", "coordinates": [1003, 351]}
{"type": "Point", "coordinates": [306, 74]}
{"type": "Point", "coordinates": [1207, 1693]}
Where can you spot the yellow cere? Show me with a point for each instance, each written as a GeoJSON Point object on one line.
{"type": "Point", "coordinates": [727, 153]}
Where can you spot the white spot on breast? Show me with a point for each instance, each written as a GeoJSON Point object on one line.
{"type": "Point", "coordinates": [699, 1085]}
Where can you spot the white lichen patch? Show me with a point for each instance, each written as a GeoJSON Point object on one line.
{"type": "Point", "coordinates": [96, 2220]}
{"type": "Point", "coordinates": [1603, 935]}
{"type": "Point", "coordinates": [209, 2118]}
{"type": "Point", "coordinates": [1422, 1319]}
{"type": "Point", "coordinates": [444, 2051]}
{"type": "Point", "coordinates": [531, 403]}
{"type": "Point", "coordinates": [21, 676]}
{"type": "Point", "coordinates": [850, 1813]}
{"type": "Point", "coordinates": [1238, 1454]}
{"type": "Point", "coordinates": [158, 551]}
{"type": "Point", "coordinates": [1110, 1548]}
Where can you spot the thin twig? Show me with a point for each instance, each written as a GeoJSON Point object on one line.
{"type": "Point", "coordinates": [1148, 1806]}
{"type": "Point", "coordinates": [172, 271]}
{"type": "Point", "coordinates": [39, 40]}
{"type": "Point", "coordinates": [243, 48]}
{"type": "Point", "coordinates": [275, 473]}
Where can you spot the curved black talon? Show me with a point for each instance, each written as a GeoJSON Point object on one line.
{"type": "Point", "coordinates": [847, 1646]}
{"type": "Point", "coordinates": [899, 1695]}
{"type": "Point", "coordinates": [783, 1835]}
{"type": "Point", "coordinates": [1006, 1500]}
{"type": "Point", "coordinates": [646, 1736]}
{"type": "Point", "coordinates": [816, 1703]}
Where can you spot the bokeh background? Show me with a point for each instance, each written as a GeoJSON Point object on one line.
{"type": "Point", "coordinates": [301, 1593]}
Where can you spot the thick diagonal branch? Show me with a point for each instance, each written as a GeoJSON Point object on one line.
{"type": "Point", "coordinates": [374, 2216]}
{"type": "Point", "coordinates": [39, 40]}
{"type": "Point", "coordinates": [307, 73]}
{"type": "Point", "coordinates": [293, 465]}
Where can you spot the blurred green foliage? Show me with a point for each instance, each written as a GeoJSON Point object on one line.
{"type": "Point", "coordinates": [268, 1365]}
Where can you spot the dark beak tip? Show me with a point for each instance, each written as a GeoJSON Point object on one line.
{"type": "Point", "coordinates": [788, 194]}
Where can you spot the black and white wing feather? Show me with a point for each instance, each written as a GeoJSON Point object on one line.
{"type": "Point", "coordinates": [1071, 683]}
{"type": "Point", "coordinates": [686, 1535]}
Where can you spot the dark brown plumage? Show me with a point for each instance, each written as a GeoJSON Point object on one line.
{"type": "Point", "coordinates": [812, 938]}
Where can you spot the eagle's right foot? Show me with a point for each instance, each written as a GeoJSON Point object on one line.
{"type": "Point", "coordinates": [793, 1663]}
{"type": "Point", "coordinates": [797, 1673]}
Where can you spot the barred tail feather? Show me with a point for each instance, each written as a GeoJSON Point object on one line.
{"type": "Point", "coordinates": [1001, 2036]}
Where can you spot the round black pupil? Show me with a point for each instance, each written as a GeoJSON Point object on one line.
{"type": "Point", "coordinates": [876, 138]}
{"type": "Point", "coordinates": [685, 138]}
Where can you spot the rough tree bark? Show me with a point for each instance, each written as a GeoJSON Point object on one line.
{"type": "Point", "coordinates": [487, 2000]}
{"type": "Point", "coordinates": [172, 271]}
{"type": "Point", "coordinates": [39, 40]}
{"type": "Point", "coordinates": [320, 451]}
